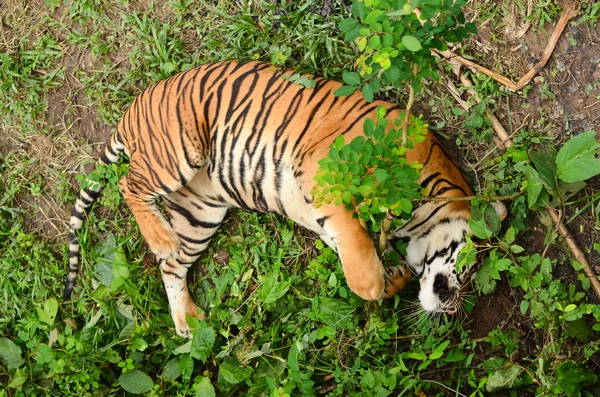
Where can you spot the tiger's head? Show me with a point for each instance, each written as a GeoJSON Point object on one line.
{"type": "Point", "coordinates": [432, 253]}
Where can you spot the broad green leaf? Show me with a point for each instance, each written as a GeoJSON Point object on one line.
{"type": "Point", "coordinates": [503, 378]}
{"type": "Point", "coordinates": [368, 93]}
{"type": "Point", "coordinates": [232, 373]}
{"type": "Point", "coordinates": [204, 388]}
{"type": "Point", "coordinates": [18, 379]}
{"type": "Point", "coordinates": [373, 16]}
{"type": "Point", "coordinates": [351, 78]}
{"type": "Point", "coordinates": [345, 90]}
{"type": "Point", "coordinates": [333, 312]}
{"type": "Point", "coordinates": [172, 371]}
{"type": "Point", "coordinates": [579, 329]}
{"type": "Point", "coordinates": [491, 218]}
{"type": "Point", "coordinates": [10, 353]}
{"type": "Point", "coordinates": [347, 24]}
{"type": "Point", "coordinates": [136, 382]}
{"type": "Point", "coordinates": [534, 186]}
{"type": "Point", "coordinates": [545, 165]}
{"type": "Point", "coordinates": [411, 43]}
{"type": "Point", "coordinates": [572, 378]}
{"type": "Point", "coordinates": [569, 189]}
{"type": "Point", "coordinates": [479, 229]}
{"type": "Point", "coordinates": [202, 343]}
{"type": "Point", "coordinates": [48, 313]}
{"type": "Point", "coordinates": [524, 306]}
{"type": "Point", "coordinates": [186, 366]}
{"type": "Point", "coordinates": [576, 161]}
{"type": "Point", "coordinates": [272, 289]}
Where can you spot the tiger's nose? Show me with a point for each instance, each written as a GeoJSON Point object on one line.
{"type": "Point", "coordinates": [440, 286]}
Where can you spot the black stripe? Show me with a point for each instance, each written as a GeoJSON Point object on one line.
{"type": "Point", "coordinates": [193, 221]}
{"type": "Point", "coordinates": [172, 274]}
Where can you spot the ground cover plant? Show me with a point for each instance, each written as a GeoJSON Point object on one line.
{"type": "Point", "coordinates": [281, 318]}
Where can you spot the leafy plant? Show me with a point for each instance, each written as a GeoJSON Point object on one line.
{"type": "Point", "coordinates": [553, 177]}
{"type": "Point", "coordinates": [371, 174]}
{"type": "Point", "coordinates": [395, 38]}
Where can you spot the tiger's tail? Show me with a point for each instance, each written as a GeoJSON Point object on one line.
{"type": "Point", "coordinates": [87, 196]}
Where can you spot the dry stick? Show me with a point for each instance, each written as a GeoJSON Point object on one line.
{"type": "Point", "coordinates": [569, 12]}
{"type": "Point", "coordinates": [571, 9]}
{"type": "Point", "coordinates": [577, 253]}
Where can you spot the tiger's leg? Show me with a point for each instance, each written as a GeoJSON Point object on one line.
{"type": "Point", "coordinates": [141, 197]}
{"type": "Point", "coordinates": [195, 223]}
{"type": "Point", "coordinates": [362, 267]}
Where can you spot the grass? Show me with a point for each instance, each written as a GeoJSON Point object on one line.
{"type": "Point", "coordinates": [281, 318]}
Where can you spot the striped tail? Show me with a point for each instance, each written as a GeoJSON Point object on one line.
{"type": "Point", "coordinates": [86, 198]}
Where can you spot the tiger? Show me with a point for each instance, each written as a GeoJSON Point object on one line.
{"type": "Point", "coordinates": [238, 134]}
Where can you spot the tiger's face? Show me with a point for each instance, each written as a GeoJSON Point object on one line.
{"type": "Point", "coordinates": [432, 257]}
{"type": "Point", "coordinates": [432, 254]}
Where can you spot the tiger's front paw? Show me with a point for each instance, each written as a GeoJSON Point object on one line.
{"type": "Point", "coordinates": [395, 279]}
{"type": "Point", "coordinates": [369, 285]}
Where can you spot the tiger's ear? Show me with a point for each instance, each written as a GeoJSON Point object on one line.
{"type": "Point", "coordinates": [500, 209]}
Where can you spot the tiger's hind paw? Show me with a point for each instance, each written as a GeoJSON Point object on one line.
{"type": "Point", "coordinates": [181, 327]}
{"type": "Point", "coordinates": [395, 279]}
{"type": "Point", "coordinates": [163, 242]}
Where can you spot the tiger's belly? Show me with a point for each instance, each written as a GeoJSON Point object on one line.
{"type": "Point", "coordinates": [268, 190]}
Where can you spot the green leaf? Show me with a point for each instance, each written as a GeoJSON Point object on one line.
{"type": "Point", "coordinates": [479, 229]}
{"type": "Point", "coordinates": [534, 186]}
{"type": "Point", "coordinates": [18, 379]}
{"type": "Point", "coordinates": [48, 314]}
{"type": "Point", "coordinates": [524, 306]}
{"type": "Point", "coordinates": [204, 388]}
{"type": "Point", "coordinates": [545, 165]}
{"type": "Point", "coordinates": [576, 161]}
{"type": "Point", "coordinates": [347, 24]}
{"type": "Point", "coordinates": [136, 382]}
{"type": "Point", "coordinates": [373, 16]}
{"type": "Point", "coordinates": [351, 78]}
{"type": "Point", "coordinates": [503, 378]}
{"type": "Point", "coordinates": [368, 93]}
{"type": "Point", "coordinates": [202, 343]}
{"type": "Point", "coordinates": [439, 351]}
{"type": "Point", "coordinates": [333, 312]}
{"type": "Point", "coordinates": [572, 378]}
{"type": "Point", "coordinates": [186, 366]}
{"type": "Point", "coordinates": [172, 371]}
{"type": "Point", "coordinates": [231, 373]}
{"type": "Point", "coordinates": [375, 42]}
{"type": "Point", "coordinates": [345, 90]}
{"type": "Point", "coordinates": [293, 358]}
{"type": "Point", "coordinates": [271, 289]}
{"type": "Point", "coordinates": [411, 43]}
{"type": "Point", "coordinates": [10, 353]}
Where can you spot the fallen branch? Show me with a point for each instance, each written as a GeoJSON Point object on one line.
{"type": "Point", "coordinates": [571, 9]}
{"type": "Point", "coordinates": [577, 253]}
{"type": "Point", "coordinates": [569, 12]}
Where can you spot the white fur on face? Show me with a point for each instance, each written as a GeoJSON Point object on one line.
{"type": "Point", "coordinates": [433, 256]}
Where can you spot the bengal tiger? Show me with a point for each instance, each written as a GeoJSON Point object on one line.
{"type": "Point", "coordinates": [237, 134]}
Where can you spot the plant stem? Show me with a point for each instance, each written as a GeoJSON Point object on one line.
{"type": "Point", "coordinates": [407, 112]}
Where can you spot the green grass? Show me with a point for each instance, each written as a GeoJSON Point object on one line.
{"type": "Point", "coordinates": [280, 317]}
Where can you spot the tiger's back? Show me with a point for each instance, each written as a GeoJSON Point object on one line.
{"type": "Point", "coordinates": [239, 135]}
